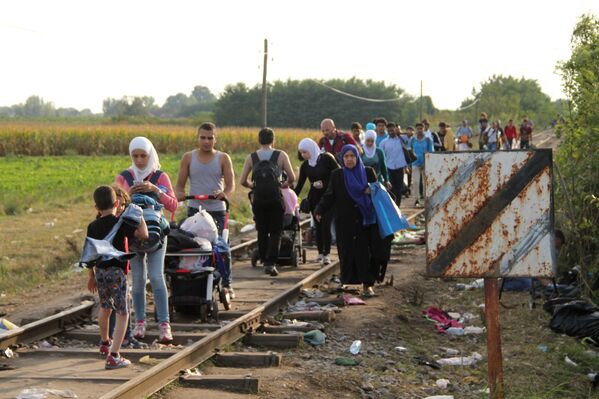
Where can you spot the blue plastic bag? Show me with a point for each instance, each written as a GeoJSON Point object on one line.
{"type": "Point", "coordinates": [388, 215]}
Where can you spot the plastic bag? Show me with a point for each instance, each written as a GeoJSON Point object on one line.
{"type": "Point", "coordinates": [201, 225]}
{"type": "Point", "coordinates": [43, 393]}
{"type": "Point", "coordinates": [388, 215]}
{"type": "Point", "coordinates": [577, 319]}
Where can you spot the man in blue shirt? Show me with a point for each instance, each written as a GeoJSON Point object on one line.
{"type": "Point", "coordinates": [420, 145]}
{"type": "Point", "coordinates": [393, 148]}
{"type": "Point", "coordinates": [381, 130]}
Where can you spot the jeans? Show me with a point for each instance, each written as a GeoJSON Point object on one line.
{"type": "Point", "coordinates": [269, 223]}
{"type": "Point", "coordinates": [323, 233]}
{"type": "Point", "coordinates": [219, 219]}
{"type": "Point", "coordinates": [397, 184]}
{"type": "Point", "coordinates": [492, 146]}
{"type": "Point", "coordinates": [141, 266]}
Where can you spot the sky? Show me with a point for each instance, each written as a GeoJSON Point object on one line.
{"type": "Point", "coordinates": [77, 53]}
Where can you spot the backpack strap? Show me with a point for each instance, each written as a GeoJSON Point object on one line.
{"type": "Point", "coordinates": [255, 158]}
{"type": "Point", "coordinates": [274, 158]}
{"type": "Point", "coordinates": [155, 176]}
{"type": "Point", "coordinates": [126, 174]}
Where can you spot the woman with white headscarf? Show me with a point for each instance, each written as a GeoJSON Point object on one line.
{"type": "Point", "coordinates": [145, 177]}
{"type": "Point", "coordinates": [317, 167]}
{"type": "Point", "coordinates": [375, 157]}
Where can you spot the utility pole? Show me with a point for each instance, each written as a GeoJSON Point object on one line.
{"type": "Point", "coordinates": [264, 87]}
{"type": "Point", "coordinates": [420, 120]}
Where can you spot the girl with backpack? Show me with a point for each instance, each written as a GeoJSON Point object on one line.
{"type": "Point", "coordinates": [145, 177]}
{"type": "Point", "coordinates": [317, 167]}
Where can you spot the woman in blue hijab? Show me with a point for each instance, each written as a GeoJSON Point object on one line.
{"type": "Point", "coordinates": [355, 224]}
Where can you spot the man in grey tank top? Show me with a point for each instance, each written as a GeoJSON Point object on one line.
{"type": "Point", "coordinates": [209, 172]}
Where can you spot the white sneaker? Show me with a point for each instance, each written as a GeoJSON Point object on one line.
{"type": "Point", "coordinates": [165, 335]}
{"type": "Point", "coordinates": [319, 258]}
{"type": "Point", "coordinates": [139, 332]}
{"type": "Point", "coordinates": [326, 260]}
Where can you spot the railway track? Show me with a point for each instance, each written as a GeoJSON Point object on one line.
{"type": "Point", "coordinates": [72, 362]}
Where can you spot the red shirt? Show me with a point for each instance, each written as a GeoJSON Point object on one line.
{"type": "Point", "coordinates": [341, 139]}
{"type": "Point", "coordinates": [510, 132]}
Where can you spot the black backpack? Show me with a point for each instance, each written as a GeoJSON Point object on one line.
{"type": "Point", "coordinates": [265, 175]}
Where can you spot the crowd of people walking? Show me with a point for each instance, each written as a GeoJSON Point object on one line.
{"type": "Point", "coordinates": [337, 171]}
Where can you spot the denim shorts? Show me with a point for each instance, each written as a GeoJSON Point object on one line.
{"type": "Point", "coordinates": [112, 288]}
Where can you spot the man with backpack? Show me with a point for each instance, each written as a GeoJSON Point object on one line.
{"type": "Point", "coordinates": [267, 166]}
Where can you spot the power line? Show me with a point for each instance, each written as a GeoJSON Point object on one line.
{"type": "Point", "coordinates": [372, 100]}
{"type": "Point", "coordinates": [469, 105]}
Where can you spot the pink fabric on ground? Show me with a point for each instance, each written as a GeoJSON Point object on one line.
{"type": "Point", "coordinates": [442, 319]}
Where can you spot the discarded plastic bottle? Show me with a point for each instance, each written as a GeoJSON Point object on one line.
{"type": "Point", "coordinates": [455, 331]}
{"type": "Point", "coordinates": [355, 347]}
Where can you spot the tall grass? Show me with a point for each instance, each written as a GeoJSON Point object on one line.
{"type": "Point", "coordinates": [48, 138]}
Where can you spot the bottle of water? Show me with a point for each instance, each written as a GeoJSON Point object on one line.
{"type": "Point", "coordinates": [355, 347]}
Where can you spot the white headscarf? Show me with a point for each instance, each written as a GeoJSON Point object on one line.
{"type": "Point", "coordinates": [311, 147]}
{"type": "Point", "coordinates": [370, 151]}
{"type": "Point", "coordinates": [142, 143]}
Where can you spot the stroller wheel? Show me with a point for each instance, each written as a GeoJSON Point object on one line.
{"type": "Point", "coordinates": [304, 256]}
{"type": "Point", "coordinates": [255, 257]}
{"type": "Point", "coordinates": [224, 299]}
{"type": "Point", "coordinates": [294, 259]}
{"type": "Point", "coordinates": [215, 311]}
{"type": "Point", "coordinates": [204, 313]}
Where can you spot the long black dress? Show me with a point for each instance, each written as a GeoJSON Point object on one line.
{"type": "Point", "coordinates": [357, 245]}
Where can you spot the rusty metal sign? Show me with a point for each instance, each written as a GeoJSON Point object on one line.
{"type": "Point", "coordinates": [489, 214]}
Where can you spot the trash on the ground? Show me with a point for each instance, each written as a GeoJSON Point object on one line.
{"type": "Point", "coordinates": [473, 330]}
{"type": "Point", "coordinates": [543, 348]}
{"type": "Point", "coordinates": [407, 237]}
{"type": "Point", "coordinates": [45, 344]}
{"type": "Point", "coordinates": [7, 353]}
{"type": "Point", "coordinates": [461, 361]}
{"type": "Point", "coordinates": [592, 376]}
{"type": "Point", "coordinates": [149, 360]}
{"type": "Point", "coordinates": [450, 351]}
{"type": "Point", "coordinates": [294, 322]}
{"type": "Point", "coordinates": [591, 353]}
{"type": "Point", "coordinates": [454, 315]}
{"type": "Point", "coordinates": [188, 372]}
{"type": "Point", "coordinates": [43, 393]}
{"type": "Point", "coordinates": [247, 228]}
{"type": "Point", "coordinates": [466, 317]}
{"type": "Point", "coordinates": [313, 293]}
{"type": "Point", "coordinates": [315, 337]}
{"type": "Point", "coordinates": [401, 349]}
{"type": "Point", "coordinates": [479, 283]}
{"type": "Point", "coordinates": [426, 362]}
{"type": "Point", "coordinates": [455, 331]}
{"type": "Point", "coordinates": [352, 300]}
{"type": "Point", "coordinates": [441, 319]}
{"type": "Point", "coordinates": [576, 318]}
{"type": "Point", "coordinates": [346, 361]}
{"type": "Point", "coordinates": [7, 325]}
{"type": "Point", "coordinates": [355, 347]}
{"type": "Point", "coordinates": [440, 397]}
{"type": "Point", "coordinates": [442, 383]}
{"type": "Point", "coordinates": [303, 306]}
{"type": "Point", "coordinates": [570, 362]}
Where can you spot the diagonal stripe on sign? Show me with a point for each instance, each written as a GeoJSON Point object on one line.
{"type": "Point", "coordinates": [484, 218]}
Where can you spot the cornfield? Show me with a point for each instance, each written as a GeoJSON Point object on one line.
{"type": "Point", "coordinates": [47, 138]}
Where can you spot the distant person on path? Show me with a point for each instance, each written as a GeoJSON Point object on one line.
{"type": "Point", "coordinates": [381, 130]}
{"type": "Point", "coordinates": [209, 172]}
{"type": "Point", "coordinates": [434, 137]}
{"type": "Point", "coordinates": [333, 139]}
{"type": "Point", "coordinates": [483, 132]}
{"type": "Point", "coordinates": [267, 166]}
{"type": "Point", "coordinates": [108, 277]}
{"type": "Point", "coordinates": [408, 170]}
{"type": "Point", "coordinates": [361, 250]}
{"type": "Point", "coordinates": [420, 145]}
{"type": "Point", "coordinates": [317, 167]}
{"type": "Point", "coordinates": [145, 177]}
{"type": "Point", "coordinates": [492, 136]}
{"type": "Point", "coordinates": [394, 149]}
{"type": "Point", "coordinates": [464, 134]}
{"type": "Point", "coordinates": [525, 133]}
{"type": "Point", "coordinates": [357, 133]}
{"type": "Point", "coordinates": [510, 134]}
{"type": "Point", "coordinates": [446, 137]}
{"type": "Point", "coordinates": [375, 157]}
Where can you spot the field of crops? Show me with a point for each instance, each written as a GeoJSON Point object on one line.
{"type": "Point", "coordinates": [48, 138]}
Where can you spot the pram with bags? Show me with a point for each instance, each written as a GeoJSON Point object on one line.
{"type": "Point", "coordinates": [196, 268]}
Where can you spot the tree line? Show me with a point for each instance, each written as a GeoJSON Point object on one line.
{"type": "Point", "coordinates": [302, 103]}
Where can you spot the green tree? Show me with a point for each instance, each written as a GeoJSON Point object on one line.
{"type": "Point", "coordinates": [577, 190]}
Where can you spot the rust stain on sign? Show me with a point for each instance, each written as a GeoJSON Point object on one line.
{"type": "Point", "coordinates": [489, 214]}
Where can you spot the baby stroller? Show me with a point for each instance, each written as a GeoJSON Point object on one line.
{"type": "Point", "coordinates": [290, 247]}
{"type": "Point", "coordinates": [195, 273]}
